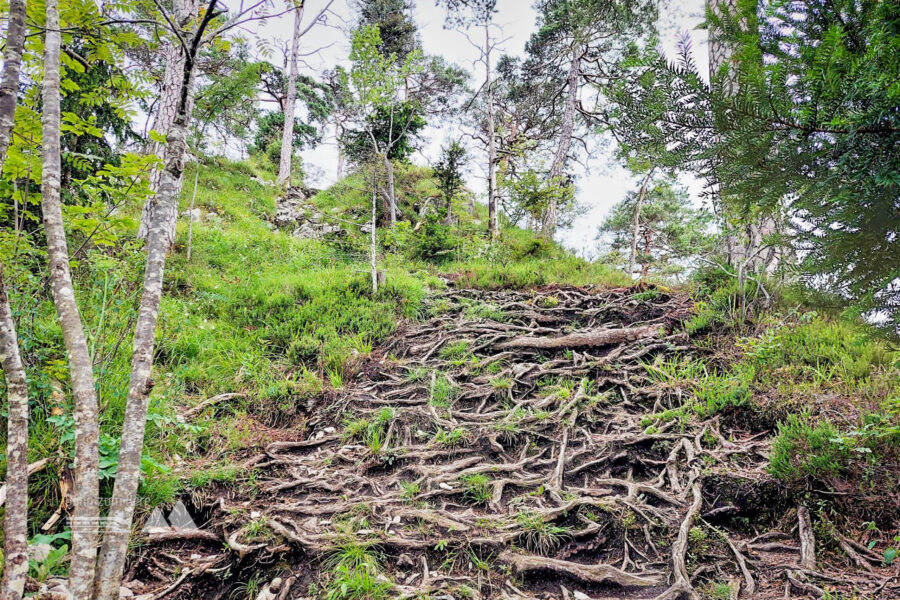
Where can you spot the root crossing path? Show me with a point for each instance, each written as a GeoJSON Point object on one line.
{"type": "Point", "coordinates": [503, 448]}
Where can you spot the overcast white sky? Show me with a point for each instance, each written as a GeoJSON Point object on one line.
{"type": "Point", "coordinates": [599, 187]}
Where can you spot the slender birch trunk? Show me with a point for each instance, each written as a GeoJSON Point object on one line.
{"type": "Point", "coordinates": [338, 134]}
{"type": "Point", "coordinates": [184, 12]}
{"type": "Point", "coordinates": [374, 257]}
{"type": "Point", "coordinates": [287, 135]}
{"type": "Point", "coordinates": [161, 234]}
{"type": "Point", "coordinates": [12, 65]}
{"type": "Point", "coordinates": [637, 223]}
{"type": "Point", "coordinates": [15, 520]}
{"type": "Point", "coordinates": [86, 511]}
{"type": "Point", "coordinates": [557, 168]}
{"type": "Point", "coordinates": [493, 221]}
{"type": "Point", "coordinates": [392, 194]}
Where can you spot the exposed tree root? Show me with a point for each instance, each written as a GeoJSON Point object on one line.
{"type": "Point", "coordinates": [509, 456]}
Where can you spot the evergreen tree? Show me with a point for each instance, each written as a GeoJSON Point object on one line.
{"type": "Point", "coordinates": [668, 230]}
{"type": "Point", "coordinates": [813, 132]}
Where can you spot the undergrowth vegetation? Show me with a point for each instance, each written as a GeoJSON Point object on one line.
{"type": "Point", "coordinates": [270, 319]}
{"type": "Point", "coordinates": [829, 384]}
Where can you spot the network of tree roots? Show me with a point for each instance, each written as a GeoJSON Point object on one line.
{"type": "Point", "coordinates": [496, 450]}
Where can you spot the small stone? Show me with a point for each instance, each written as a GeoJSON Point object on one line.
{"type": "Point", "coordinates": [255, 514]}
{"type": "Point", "coordinates": [39, 552]}
{"type": "Point", "coordinates": [445, 486]}
{"type": "Point", "coordinates": [329, 430]}
{"type": "Point", "coordinates": [581, 596]}
{"type": "Point", "coordinates": [124, 592]}
{"type": "Point", "coordinates": [319, 435]}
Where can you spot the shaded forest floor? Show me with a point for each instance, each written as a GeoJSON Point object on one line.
{"type": "Point", "coordinates": [510, 446]}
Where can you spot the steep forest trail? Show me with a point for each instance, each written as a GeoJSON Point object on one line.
{"type": "Point", "coordinates": [502, 449]}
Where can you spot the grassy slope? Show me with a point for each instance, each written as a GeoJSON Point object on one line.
{"type": "Point", "coordinates": [280, 320]}
{"type": "Point", "coordinates": [256, 312]}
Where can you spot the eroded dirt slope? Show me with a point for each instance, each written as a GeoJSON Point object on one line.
{"type": "Point", "coordinates": [499, 449]}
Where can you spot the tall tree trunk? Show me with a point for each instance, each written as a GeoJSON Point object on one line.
{"type": "Point", "coordinates": [12, 65]}
{"type": "Point", "coordinates": [338, 133]}
{"type": "Point", "coordinates": [391, 191]}
{"type": "Point", "coordinates": [637, 222]}
{"type": "Point", "coordinates": [161, 232]}
{"type": "Point", "coordinates": [184, 12]}
{"type": "Point", "coordinates": [557, 168]}
{"type": "Point", "coordinates": [86, 511]}
{"type": "Point", "coordinates": [15, 520]}
{"type": "Point", "coordinates": [493, 220]}
{"type": "Point", "coordinates": [287, 135]}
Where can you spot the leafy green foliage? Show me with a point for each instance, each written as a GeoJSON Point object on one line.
{"type": "Point", "coordinates": [530, 193]}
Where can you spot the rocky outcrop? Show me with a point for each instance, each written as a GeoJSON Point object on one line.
{"type": "Point", "coordinates": [294, 212]}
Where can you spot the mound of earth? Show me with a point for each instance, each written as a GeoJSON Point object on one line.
{"type": "Point", "coordinates": [497, 450]}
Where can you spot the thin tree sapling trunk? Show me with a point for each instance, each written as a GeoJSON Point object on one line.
{"type": "Point", "coordinates": [86, 510]}
{"type": "Point", "coordinates": [161, 234]}
{"type": "Point", "coordinates": [637, 223]}
{"type": "Point", "coordinates": [557, 167]}
{"type": "Point", "coordinates": [287, 134]}
{"type": "Point", "coordinates": [493, 221]}
{"type": "Point", "coordinates": [391, 191]}
{"type": "Point", "coordinates": [373, 257]}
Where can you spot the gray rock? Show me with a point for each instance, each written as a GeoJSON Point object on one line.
{"type": "Point", "coordinates": [39, 552]}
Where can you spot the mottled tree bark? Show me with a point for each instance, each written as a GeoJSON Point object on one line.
{"type": "Point", "coordinates": [86, 511]}
{"type": "Point", "coordinates": [12, 65]}
{"type": "Point", "coordinates": [338, 134]}
{"type": "Point", "coordinates": [561, 156]}
{"type": "Point", "coordinates": [161, 231]}
{"type": "Point", "coordinates": [391, 189]}
{"type": "Point", "coordinates": [493, 220]}
{"type": "Point", "coordinates": [15, 520]}
{"type": "Point", "coordinates": [373, 256]}
{"type": "Point", "coordinates": [184, 12]}
{"type": "Point", "coordinates": [287, 136]}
